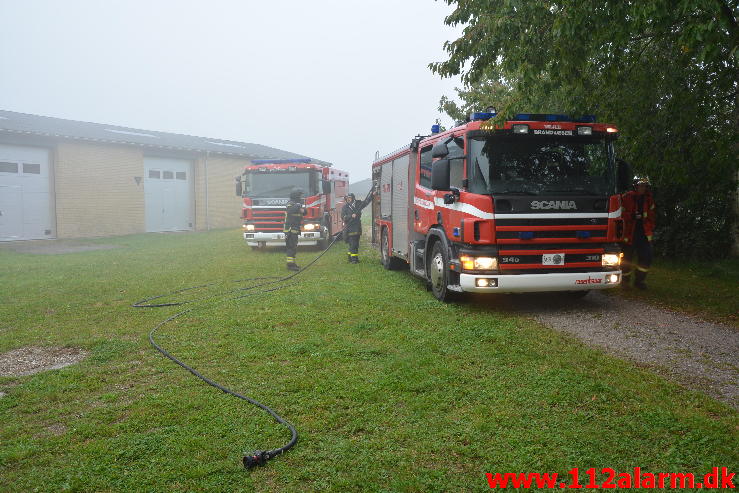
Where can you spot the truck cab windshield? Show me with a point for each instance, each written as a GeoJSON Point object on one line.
{"type": "Point", "coordinates": [279, 185]}
{"type": "Point", "coordinates": [541, 165]}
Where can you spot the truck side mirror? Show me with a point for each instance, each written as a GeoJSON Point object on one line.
{"type": "Point", "coordinates": [239, 187]}
{"type": "Point", "coordinates": [624, 175]}
{"type": "Point", "coordinates": [440, 175]}
{"type": "Point", "coordinates": [439, 150]}
{"type": "Point", "coordinates": [326, 186]}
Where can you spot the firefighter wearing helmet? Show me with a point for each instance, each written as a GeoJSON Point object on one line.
{"type": "Point", "coordinates": [351, 214]}
{"type": "Point", "coordinates": [293, 219]}
{"type": "Point", "coordinates": [639, 220]}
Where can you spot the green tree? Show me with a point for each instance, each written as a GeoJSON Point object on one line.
{"type": "Point", "coordinates": [664, 71]}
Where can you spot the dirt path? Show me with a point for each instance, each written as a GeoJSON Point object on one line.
{"type": "Point", "coordinates": [700, 355]}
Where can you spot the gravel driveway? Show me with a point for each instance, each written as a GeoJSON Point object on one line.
{"type": "Point", "coordinates": [700, 355]}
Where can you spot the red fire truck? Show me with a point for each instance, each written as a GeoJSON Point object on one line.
{"type": "Point", "coordinates": [530, 204]}
{"type": "Point", "coordinates": [265, 186]}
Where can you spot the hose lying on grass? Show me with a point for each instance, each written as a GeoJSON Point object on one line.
{"type": "Point", "coordinates": [258, 457]}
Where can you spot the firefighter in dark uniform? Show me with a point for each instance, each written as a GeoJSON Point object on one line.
{"type": "Point", "coordinates": [293, 219]}
{"type": "Point", "coordinates": [639, 221]}
{"type": "Point", "coordinates": [351, 214]}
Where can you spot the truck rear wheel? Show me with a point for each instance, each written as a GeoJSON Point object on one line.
{"type": "Point", "coordinates": [324, 242]}
{"type": "Point", "coordinates": [438, 270]}
{"type": "Point", "coordinates": [388, 261]}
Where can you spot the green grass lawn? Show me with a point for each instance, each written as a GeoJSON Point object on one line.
{"type": "Point", "coordinates": [709, 289]}
{"type": "Point", "coordinates": [389, 389]}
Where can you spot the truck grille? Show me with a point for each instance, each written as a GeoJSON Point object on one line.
{"type": "Point", "coordinates": [268, 219]}
{"type": "Point", "coordinates": [524, 242]}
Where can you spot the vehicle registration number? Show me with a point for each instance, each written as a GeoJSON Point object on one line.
{"type": "Point", "coordinates": [553, 259]}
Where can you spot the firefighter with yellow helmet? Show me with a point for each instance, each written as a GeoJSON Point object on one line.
{"type": "Point", "coordinates": [639, 215]}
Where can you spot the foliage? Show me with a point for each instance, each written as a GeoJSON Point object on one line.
{"type": "Point", "coordinates": [664, 71]}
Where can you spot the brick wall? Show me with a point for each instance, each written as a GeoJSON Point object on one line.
{"type": "Point", "coordinates": [224, 207]}
{"type": "Point", "coordinates": [96, 193]}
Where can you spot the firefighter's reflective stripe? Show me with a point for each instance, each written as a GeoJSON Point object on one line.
{"type": "Point", "coordinates": [643, 269]}
{"type": "Point", "coordinates": [353, 254]}
{"type": "Point", "coordinates": [293, 230]}
{"type": "Point", "coordinates": [290, 259]}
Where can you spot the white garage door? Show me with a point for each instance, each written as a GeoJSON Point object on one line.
{"type": "Point", "coordinates": [167, 187]}
{"type": "Point", "coordinates": [25, 202]}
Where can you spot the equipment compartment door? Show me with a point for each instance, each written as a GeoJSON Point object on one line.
{"type": "Point", "coordinates": [400, 194]}
{"type": "Point", "coordinates": [386, 191]}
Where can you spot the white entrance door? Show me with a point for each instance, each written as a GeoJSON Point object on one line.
{"type": "Point", "coordinates": [167, 185]}
{"type": "Point", "coordinates": [25, 202]}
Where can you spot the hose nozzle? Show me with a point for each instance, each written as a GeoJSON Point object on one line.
{"type": "Point", "coordinates": [257, 458]}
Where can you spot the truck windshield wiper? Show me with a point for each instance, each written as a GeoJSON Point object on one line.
{"type": "Point", "coordinates": [516, 192]}
{"type": "Point", "coordinates": [578, 190]}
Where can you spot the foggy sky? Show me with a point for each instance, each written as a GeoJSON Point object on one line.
{"type": "Point", "coordinates": [336, 80]}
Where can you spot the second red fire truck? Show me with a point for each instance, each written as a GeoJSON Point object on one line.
{"type": "Point", "coordinates": [530, 204]}
{"type": "Point", "coordinates": [265, 186]}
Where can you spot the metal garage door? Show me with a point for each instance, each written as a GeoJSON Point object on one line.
{"type": "Point", "coordinates": [25, 205]}
{"type": "Point", "coordinates": [167, 188]}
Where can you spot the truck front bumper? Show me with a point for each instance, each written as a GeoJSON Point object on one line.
{"type": "Point", "coordinates": [306, 238]}
{"type": "Point", "coordinates": [527, 283]}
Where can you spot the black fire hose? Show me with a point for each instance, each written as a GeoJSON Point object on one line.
{"type": "Point", "coordinates": [258, 457]}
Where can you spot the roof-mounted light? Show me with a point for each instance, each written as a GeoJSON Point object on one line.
{"type": "Point", "coordinates": [542, 117]}
{"type": "Point", "coordinates": [435, 129]}
{"type": "Point", "coordinates": [586, 119]}
{"type": "Point", "coordinates": [487, 115]}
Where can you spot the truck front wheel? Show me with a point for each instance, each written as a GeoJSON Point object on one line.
{"type": "Point", "coordinates": [439, 273]}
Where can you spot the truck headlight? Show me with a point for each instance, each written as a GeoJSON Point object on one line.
{"type": "Point", "coordinates": [478, 263]}
{"type": "Point", "coordinates": [486, 263]}
{"type": "Point", "coordinates": [610, 259]}
{"type": "Point", "coordinates": [249, 227]}
{"type": "Point", "coordinates": [309, 227]}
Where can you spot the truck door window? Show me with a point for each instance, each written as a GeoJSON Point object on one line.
{"type": "Point", "coordinates": [456, 166]}
{"type": "Point", "coordinates": [425, 177]}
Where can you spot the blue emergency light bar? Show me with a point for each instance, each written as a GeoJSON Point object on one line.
{"type": "Point", "coordinates": [482, 116]}
{"type": "Point", "coordinates": [549, 117]}
{"type": "Point", "coordinates": [435, 129]}
{"type": "Point", "coordinates": [281, 161]}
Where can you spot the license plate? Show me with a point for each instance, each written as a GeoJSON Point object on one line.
{"type": "Point", "coordinates": [553, 259]}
